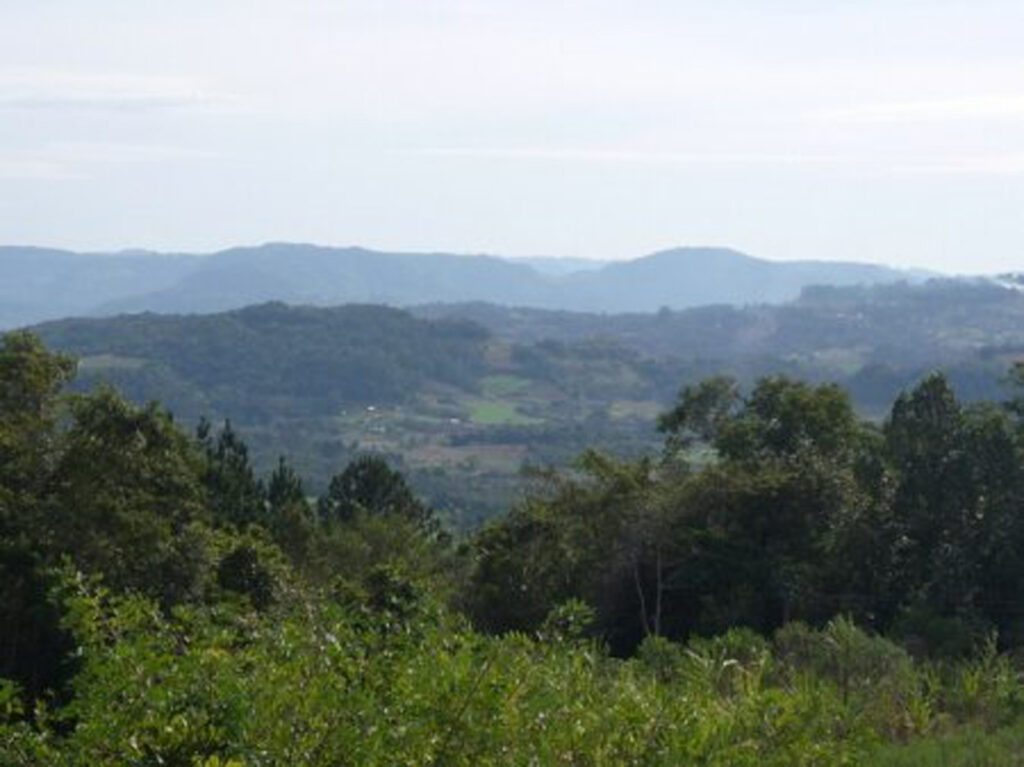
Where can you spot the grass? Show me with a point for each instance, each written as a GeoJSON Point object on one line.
{"type": "Point", "coordinates": [968, 748]}
{"type": "Point", "coordinates": [498, 386]}
{"type": "Point", "coordinates": [109, 362]}
{"type": "Point", "coordinates": [487, 412]}
{"type": "Point", "coordinates": [646, 410]}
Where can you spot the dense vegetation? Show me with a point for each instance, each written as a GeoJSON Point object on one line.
{"type": "Point", "coordinates": [312, 361]}
{"type": "Point", "coordinates": [460, 409]}
{"type": "Point", "coordinates": [874, 340]}
{"type": "Point", "coordinates": [776, 506]}
{"type": "Point", "coordinates": [785, 584]}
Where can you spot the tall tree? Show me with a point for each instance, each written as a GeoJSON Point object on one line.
{"type": "Point", "coordinates": [128, 494]}
{"type": "Point", "coordinates": [700, 412]}
{"type": "Point", "coordinates": [369, 486]}
{"type": "Point", "coordinates": [32, 644]}
{"type": "Point", "coordinates": [236, 495]}
{"type": "Point", "coordinates": [934, 496]}
{"type": "Point", "coordinates": [289, 516]}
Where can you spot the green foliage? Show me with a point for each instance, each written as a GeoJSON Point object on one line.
{"type": "Point", "coordinates": [234, 492]}
{"type": "Point", "coordinates": [700, 411]}
{"type": "Point", "coordinates": [299, 379]}
{"type": "Point", "coordinates": [284, 488]}
{"type": "Point", "coordinates": [971, 747]}
{"type": "Point", "coordinates": [588, 538]}
{"type": "Point", "coordinates": [128, 497]}
{"type": "Point", "coordinates": [569, 621]}
{"type": "Point", "coordinates": [784, 418]}
{"type": "Point", "coordinates": [369, 486]}
{"type": "Point", "coordinates": [164, 605]}
{"type": "Point", "coordinates": [245, 361]}
{"type": "Point", "coordinates": [242, 572]}
{"type": "Point", "coordinates": [289, 516]}
{"type": "Point", "coordinates": [314, 682]}
{"type": "Point", "coordinates": [30, 375]}
{"type": "Point", "coordinates": [389, 677]}
{"type": "Point", "coordinates": [661, 549]}
{"type": "Point", "coordinates": [111, 485]}
{"type": "Point", "coordinates": [804, 513]}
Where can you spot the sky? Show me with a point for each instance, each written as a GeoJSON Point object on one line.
{"type": "Point", "coordinates": [887, 131]}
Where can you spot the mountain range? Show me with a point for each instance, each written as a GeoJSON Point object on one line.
{"type": "Point", "coordinates": [38, 284]}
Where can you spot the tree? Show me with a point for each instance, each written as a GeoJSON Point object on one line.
{"type": "Point", "coordinates": [742, 540]}
{"type": "Point", "coordinates": [994, 448]}
{"type": "Point", "coordinates": [700, 412]}
{"type": "Point", "coordinates": [934, 495]}
{"type": "Point", "coordinates": [284, 487]}
{"type": "Point", "coordinates": [783, 418]}
{"type": "Point", "coordinates": [594, 534]}
{"type": "Point", "coordinates": [30, 379]}
{"type": "Point", "coordinates": [114, 487]}
{"type": "Point", "coordinates": [235, 494]}
{"type": "Point", "coordinates": [752, 529]}
{"type": "Point", "coordinates": [32, 644]}
{"type": "Point", "coordinates": [369, 486]}
{"type": "Point", "coordinates": [368, 518]}
{"type": "Point", "coordinates": [127, 497]}
{"type": "Point", "coordinates": [289, 516]}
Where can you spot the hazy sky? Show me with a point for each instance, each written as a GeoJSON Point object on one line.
{"type": "Point", "coordinates": [873, 130]}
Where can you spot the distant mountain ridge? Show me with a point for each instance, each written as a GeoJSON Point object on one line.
{"type": "Point", "coordinates": [38, 284]}
{"type": "Point", "coordinates": [686, 277]}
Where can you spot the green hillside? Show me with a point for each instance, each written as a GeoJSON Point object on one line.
{"type": "Point", "coordinates": [460, 410]}
{"type": "Point", "coordinates": [463, 396]}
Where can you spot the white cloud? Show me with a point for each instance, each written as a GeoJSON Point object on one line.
{"type": "Point", "coordinates": [27, 167]}
{"type": "Point", "coordinates": [32, 89]}
{"type": "Point", "coordinates": [81, 152]}
{"type": "Point", "coordinates": [77, 160]}
{"type": "Point", "coordinates": [994, 107]}
{"type": "Point", "coordinates": [996, 164]}
{"type": "Point", "coordinates": [629, 156]}
{"type": "Point", "coordinates": [863, 164]}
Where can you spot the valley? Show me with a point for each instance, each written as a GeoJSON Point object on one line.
{"type": "Point", "coordinates": [464, 397]}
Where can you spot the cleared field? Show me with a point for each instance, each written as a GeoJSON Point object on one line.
{"type": "Point", "coordinates": [498, 386]}
{"type": "Point", "coordinates": [643, 409]}
{"type": "Point", "coordinates": [109, 362]}
{"type": "Point", "coordinates": [486, 412]}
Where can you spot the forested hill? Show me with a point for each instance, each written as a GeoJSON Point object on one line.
{"type": "Point", "coordinates": [39, 284]}
{"type": "Point", "coordinates": [458, 409]}
{"type": "Point", "coordinates": [274, 358]}
{"type": "Point", "coordinates": [885, 336]}
{"type": "Point", "coordinates": [462, 396]}
{"type": "Point", "coordinates": [876, 339]}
